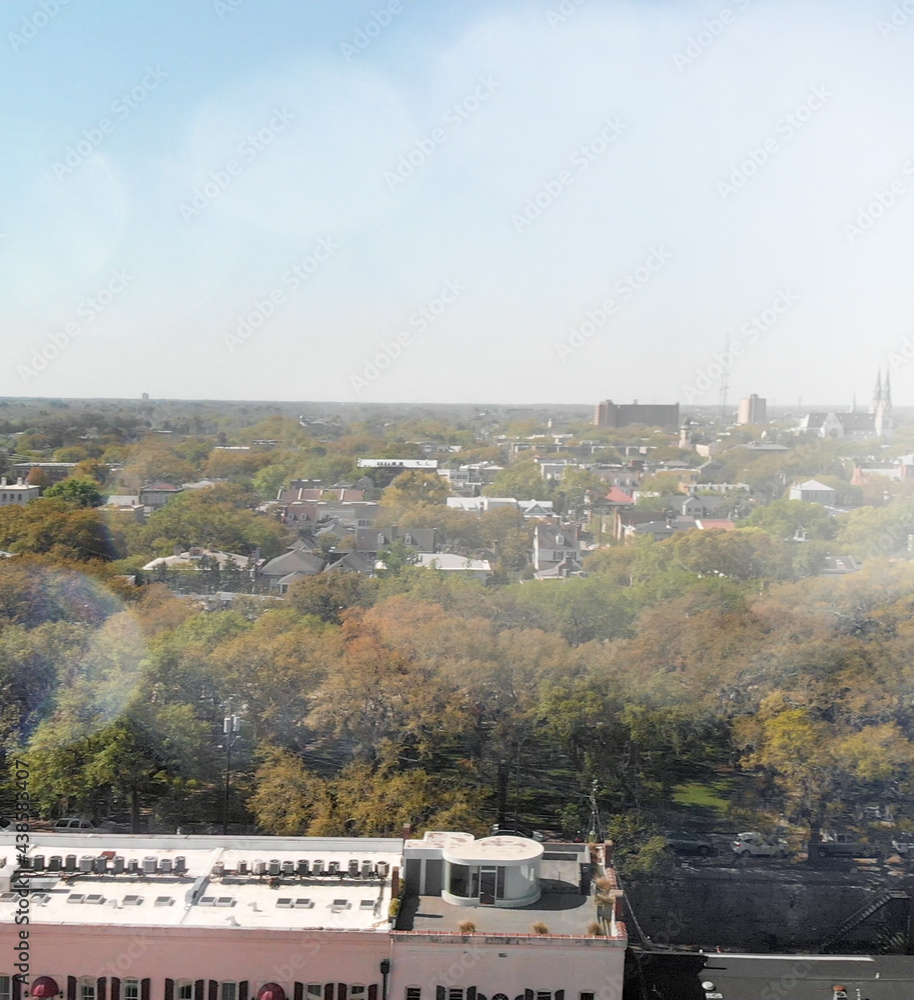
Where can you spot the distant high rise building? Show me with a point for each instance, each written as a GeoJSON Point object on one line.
{"type": "Point", "coordinates": [609, 414]}
{"type": "Point", "coordinates": [753, 410]}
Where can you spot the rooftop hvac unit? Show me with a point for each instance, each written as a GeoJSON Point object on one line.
{"type": "Point", "coordinates": [353, 867]}
{"type": "Point", "coordinates": [288, 867]}
{"type": "Point", "coordinates": [302, 866]}
{"type": "Point", "coordinates": [317, 867]}
{"type": "Point", "coordinates": [85, 863]}
{"type": "Point", "coordinates": [219, 869]}
{"type": "Point", "coordinates": [165, 866]}
{"type": "Point", "coordinates": [275, 866]}
{"type": "Point", "coordinates": [38, 863]}
{"type": "Point", "coordinates": [100, 866]}
{"type": "Point", "coordinates": [118, 864]}
{"type": "Point", "coordinates": [150, 865]}
{"type": "Point", "coordinates": [242, 867]}
{"type": "Point", "coordinates": [366, 869]}
{"type": "Point", "coordinates": [180, 864]}
{"type": "Point", "coordinates": [260, 867]}
{"type": "Point", "coordinates": [54, 863]}
{"type": "Point", "coordinates": [334, 867]}
{"type": "Point", "coordinates": [133, 866]}
{"type": "Point", "coordinates": [383, 869]}
{"type": "Point", "coordinates": [70, 863]}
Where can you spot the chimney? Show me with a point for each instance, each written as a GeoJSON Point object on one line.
{"type": "Point", "coordinates": [3, 481]}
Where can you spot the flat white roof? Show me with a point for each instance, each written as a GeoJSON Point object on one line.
{"type": "Point", "coordinates": [211, 892]}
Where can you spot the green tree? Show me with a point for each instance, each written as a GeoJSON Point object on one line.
{"type": "Point", "coordinates": [785, 518]}
{"type": "Point", "coordinates": [522, 480]}
{"type": "Point", "coordinates": [80, 491]}
{"type": "Point", "coordinates": [269, 480]}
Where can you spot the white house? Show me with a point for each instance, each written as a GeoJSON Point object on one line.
{"type": "Point", "coordinates": [17, 494]}
{"type": "Point", "coordinates": [812, 491]}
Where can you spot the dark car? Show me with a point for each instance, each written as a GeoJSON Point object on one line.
{"type": "Point", "coordinates": [516, 831]}
{"type": "Point", "coordinates": [846, 845]}
{"type": "Point", "coordinates": [684, 842]}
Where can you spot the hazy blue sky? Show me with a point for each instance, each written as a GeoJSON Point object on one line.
{"type": "Point", "coordinates": [167, 164]}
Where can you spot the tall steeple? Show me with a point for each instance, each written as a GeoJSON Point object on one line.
{"type": "Point", "coordinates": [877, 392]}
{"type": "Point", "coordinates": [883, 422]}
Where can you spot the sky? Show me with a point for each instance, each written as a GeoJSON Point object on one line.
{"type": "Point", "coordinates": [510, 201]}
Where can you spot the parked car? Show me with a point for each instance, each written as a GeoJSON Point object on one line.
{"type": "Point", "coordinates": [516, 831]}
{"type": "Point", "coordinates": [75, 824]}
{"type": "Point", "coordinates": [846, 845]}
{"type": "Point", "coordinates": [755, 845]}
{"type": "Point", "coordinates": [904, 847]}
{"type": "Point", "coordinates": [684, 842]}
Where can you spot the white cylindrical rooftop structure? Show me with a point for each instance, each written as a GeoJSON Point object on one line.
{"type": "Point", "coordinates": [494, 871]}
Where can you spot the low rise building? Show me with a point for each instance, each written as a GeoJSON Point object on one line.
{"type": "Point", "coordinates": [54, 472]}
{"type": "Point", "coordinates": [156, 495]}
{"type": "Point", "coordinates": [256, 918]}
{"type": "Point", "coordinates": [812, 491]}
{"type": "Point", "coordinates": [17, 493]}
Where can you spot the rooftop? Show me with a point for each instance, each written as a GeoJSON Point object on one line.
{"type": "Point", "coordinates": [252, 882]}
{"type": "Point", "coordinates": [566, 905]}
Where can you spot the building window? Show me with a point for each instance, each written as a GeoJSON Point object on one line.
{"type": "Point", "coordinates": [131, 989]}
{"type": "Point", "coordinates": [87, 989]}
{"type": "Point", "coordinates": [315, 991]}
{"type": "Point", "coordinates": [454, 994]}
{"type": "Point", "coordinates": [413, 993]}
{"type": "Point", "coordinates": [5, 991]}
{"type": "Point", "coordinates": [185, 991]}
{"type": "Point", "coordinates": [543, 995]}
{"type": "Point", "coordinates": [587, 996]}
{"type": "Point", "coordinates": [357, 992]}
{"type": "Point", "coordinates": [229, 991]}
{"type": "Point", "coordinates": [459, 884]}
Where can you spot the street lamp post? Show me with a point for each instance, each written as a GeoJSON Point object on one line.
{"type": "Point", "coordinates": [231, 726]}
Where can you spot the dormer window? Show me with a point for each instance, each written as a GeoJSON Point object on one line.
{"type": "Point", "coordinates": [559, 539]}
